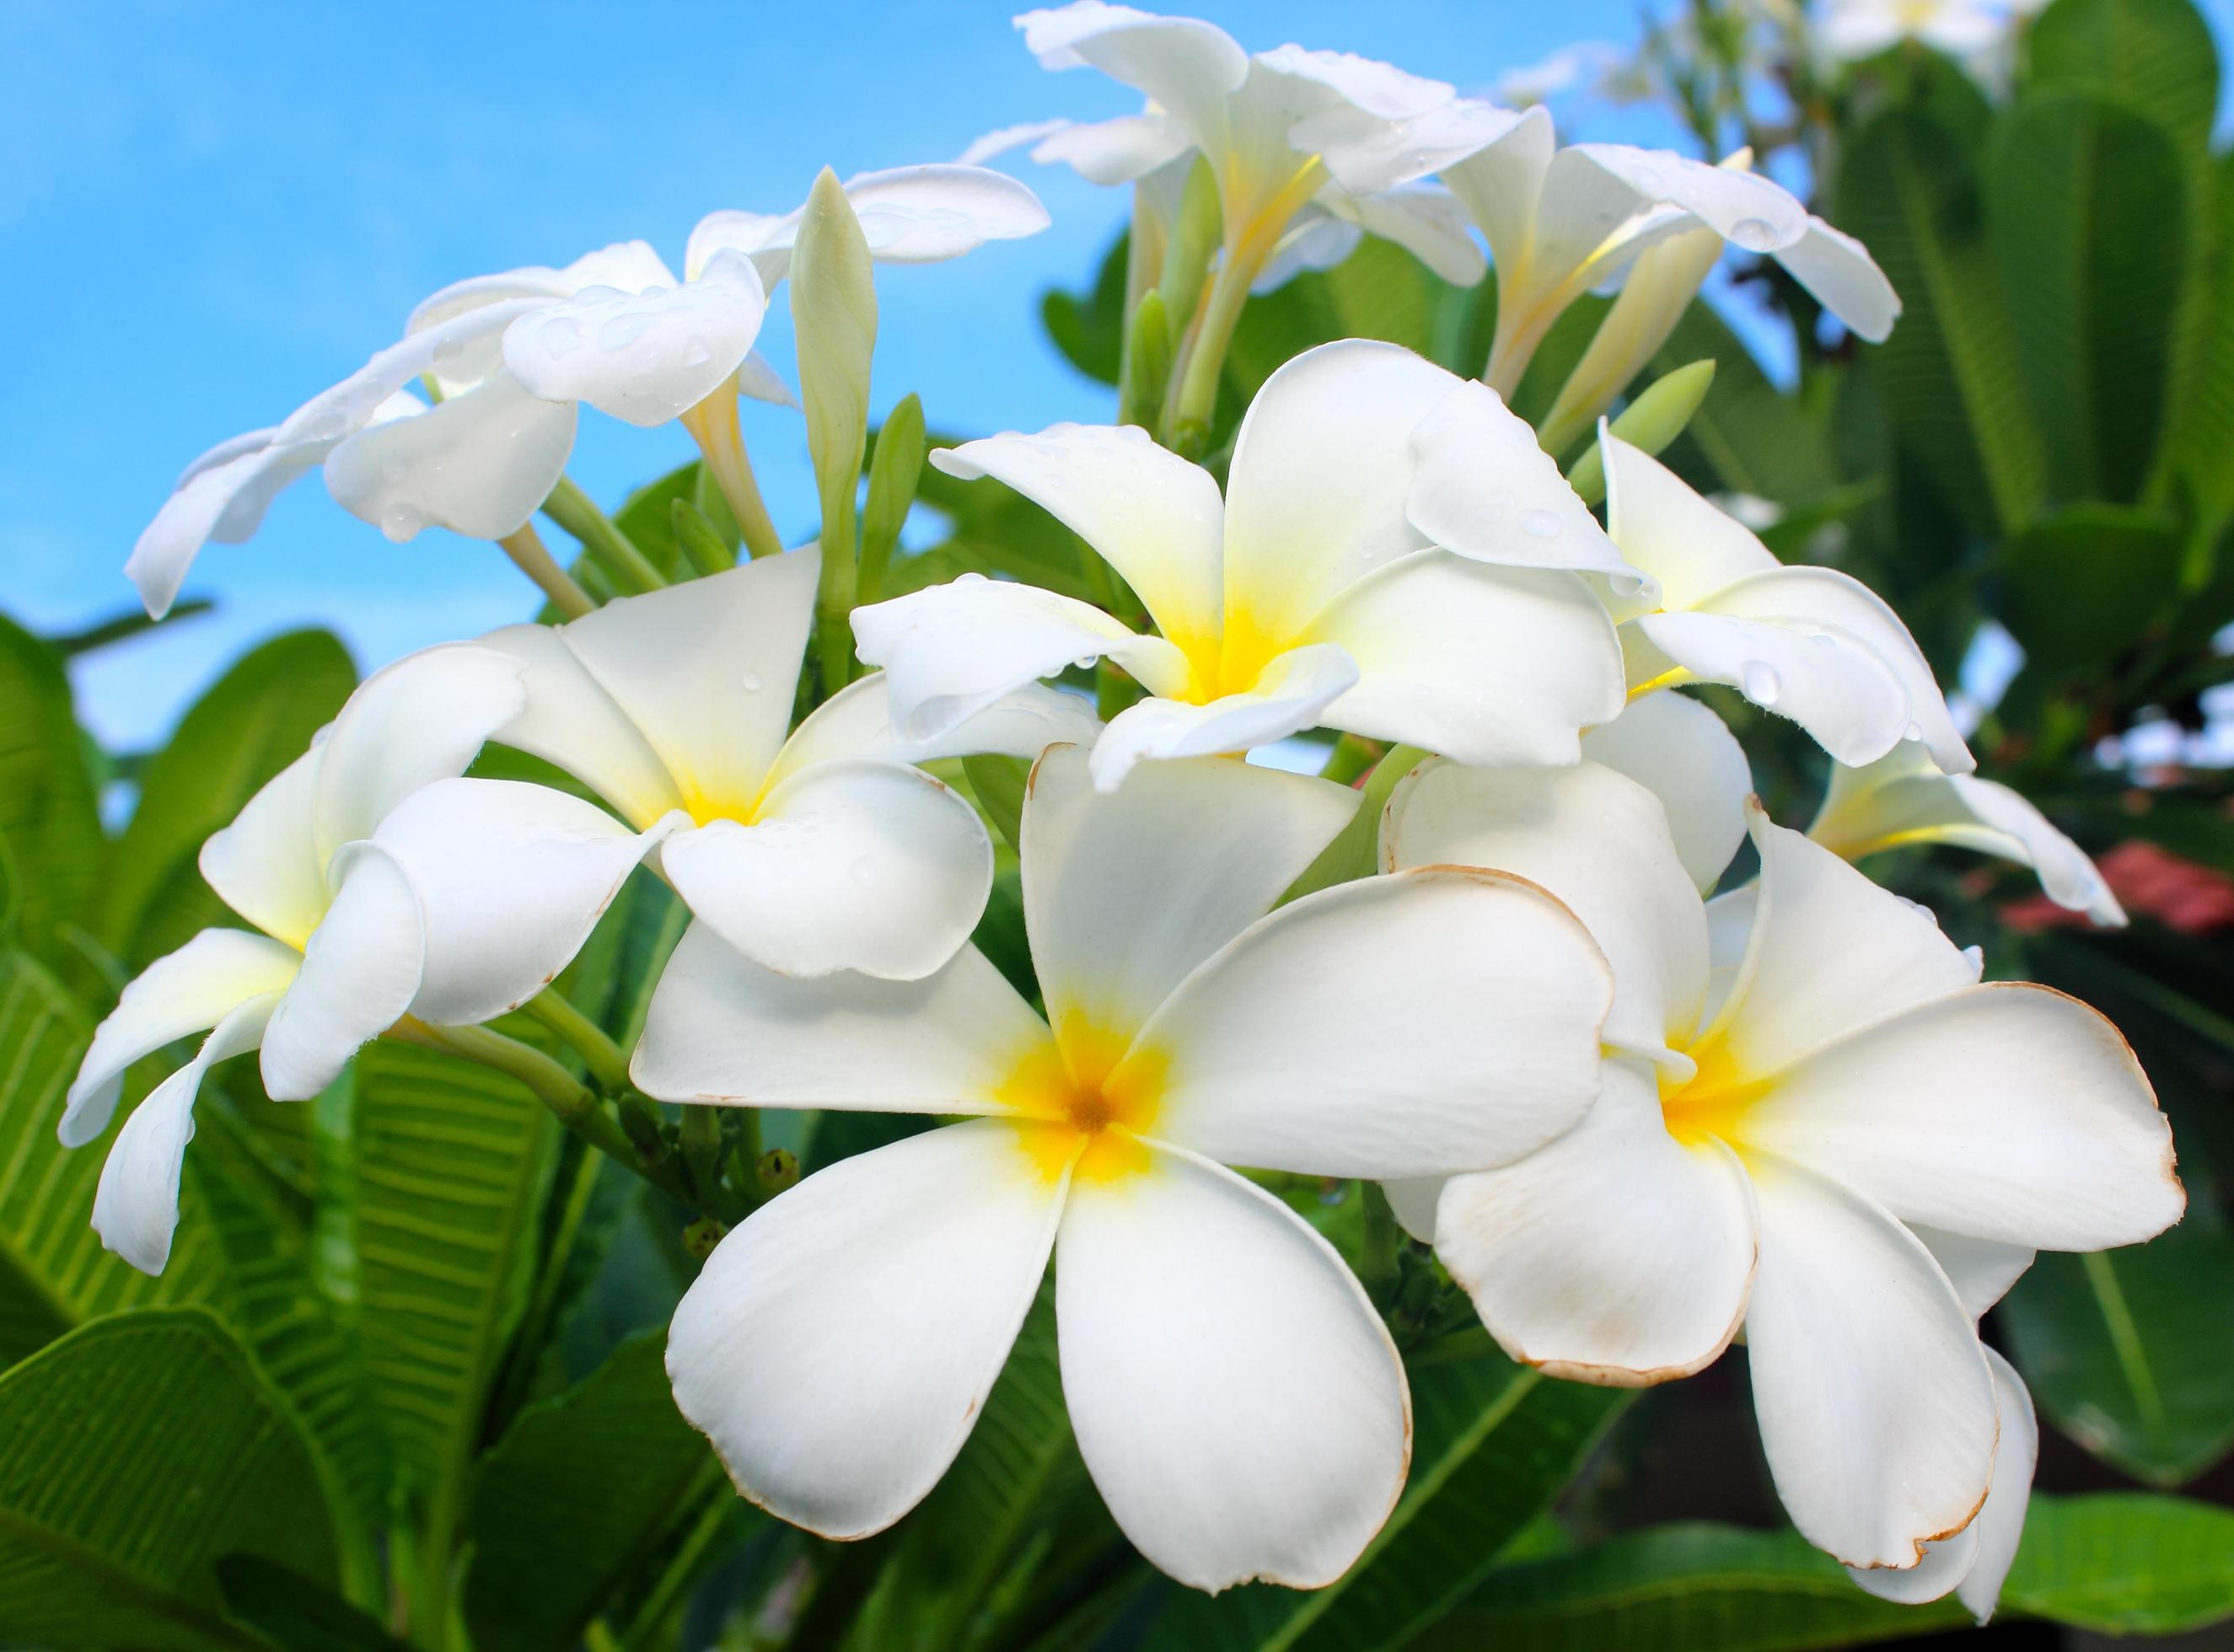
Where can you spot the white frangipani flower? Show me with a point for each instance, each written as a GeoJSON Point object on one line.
{"type": "Point", "coordinates": [1279, 188]}
{"type": "Point", "coordinates": [1846, 31]}
{"type": "Point", "coordinates": [1846, 1145]}
{"type": "Point", "coordinates": [1307, 596]}
{"type": "Point", "coordinates": [349, 944]}
{"type": "Point", "coordinates": [1236, 1398]}
{"type": "Point", "coordinates": [1904, 799]}
{"type": "Point", "coordinates": [825, 850]}
{"type": "Point", "coordinates": [1813, 644]}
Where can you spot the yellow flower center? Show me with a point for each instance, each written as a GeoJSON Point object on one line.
{"type": "Point", "coordinates": [1085, 1098]}
{"type": "Point", "coordinates": [1714, 1102]}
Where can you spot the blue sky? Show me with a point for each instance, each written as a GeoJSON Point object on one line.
{"type": "Point", "coordinates": [213, 209]}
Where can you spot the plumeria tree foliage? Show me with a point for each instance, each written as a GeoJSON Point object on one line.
{"type": "Point", "coordinates": [826, 1089]}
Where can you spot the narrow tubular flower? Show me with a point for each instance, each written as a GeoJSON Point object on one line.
{"type": "Point", "coordinates": [826, 851]}
{"type": "Point", "coordinates": [1306, 597]}
{"type": "Point", "coordinates": [1842, 1142]}
{"type": "Point", "coordinates": [1288, 201]}
{"type": "Point", "coordinates": [349, 944]}
{"type": "Point", "coordinates": [1904, 799]}
{"type": "Point", "coordinates": [1812, 644]}
{"type": "Point", "coordinates": [1235, 1397]}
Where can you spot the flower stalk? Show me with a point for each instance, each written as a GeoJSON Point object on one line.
{"type": "Point", "coordinates": [613, 551]}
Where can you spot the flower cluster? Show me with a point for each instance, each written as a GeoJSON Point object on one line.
{"type": "Point", "coordinates": [1638, 1105]}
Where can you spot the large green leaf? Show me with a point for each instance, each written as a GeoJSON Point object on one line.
{"type": "Point", "coordinates": [2080, 586]}
{"type": "Point", "coordinates": [1745, 431]}
{"type": "Point", "coordinates": [134, 1454]}
{"type": "Point", "coordinates": [1950, 376]}
{"type": "Point", "coordinates": [2088, 204]}
{"type": "Point", "coordinates": [1492, 1443]}
{"type": "Point", "coordinates": [2201, 431]}
{"type": "Point", "coordinates": [2130, 1352]}
{"type": "Point", "coordinates": [582, 1493]}
{"type": "Point", "coordinates": [451, 1162]}
{"type": "Point", "coordinates": [1088, 327]}
{"type": "Point", "coordinates": [2124, 1562]}
{"type": "Point", "coordinates": [1687, 1587]}
{"type": "Point", "coordinates": [47, 820]}
{"type": "Point", "coordinates": [53, 1272]}
{"type": "Point", "coordinates": [1378, 291]}
{"type": "Point", "coordinates": [2156, 56]}
{"type": "Point", "coordinates": [257, 718]}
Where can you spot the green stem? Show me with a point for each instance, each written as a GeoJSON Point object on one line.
{"type": "Point", "coordinates": [712, 425]}
{"type": "Point", "coordinates": [604, 1058]}
{"type": "Point", "coordinates": [833, 609]}
{"type": "Point", "coordinates": [577, 512]}
{"type": "Point", "coordinates": [1352, 756]}
{"type": "Point", "coordinates": [702, 1154]}
{"type": "Point", "coordinates": [1376, 1268]}
{"type": "Point", "coordinates": [532, 558]}
{"type": "Point", "coordinates": [1186, 420]}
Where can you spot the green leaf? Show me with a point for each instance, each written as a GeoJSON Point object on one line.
{"type": "Point", "coordinates": [1653, 419]}
{"type": "Point", "coordinates": [54, 1274]}
{"type": "Point", "coordinates": [2130, 1352]}
{"type": "Point", "coordinates": [1378, 291]}
{"type": "Point", "coordinates": [291, 1611]}
{"type": "Point", "coordinates": [1949, 375]}
{"type": "Point", "coordinates": [1744, 432]}
{"type": "Point", "coordinates": [647, 516]}
{"type": "Point", "coordinates": [2088, 207]}
{"type": "Point", "coordinates": [1000, 783]}
{"type": "Point", "coordinates": [451, 1163]}
{"type": "Point", "coordinates": [47, 814]}
{"type": "Point", "coordinates": [133, 1454]}
{"type": "Point", "coordinates": [895, 471]}
{"type": "Point", "coordinates": [1492, 1443]}
{"type": "Point", "coordinates": [2156, 56]}
{"type": "Point", "coordinates": [583, 1494]}
{"type": "Point", "coordinates": [1685, 1587]}
{"type": "Point", "coordinates": [700, 541]}
{"type": "Point", "coordinates": [2124, 1562]}
{"type": "Point", "coordinates": [2200, 431]}
{"type": "Point", "coordinates": [256, 719]}
{"type": "Point", "coordinates": [1089, 328]}
{"type": "Point", "coordinates": [134, 621]}
{"type": "Point", "coordinates": [2080, 587]}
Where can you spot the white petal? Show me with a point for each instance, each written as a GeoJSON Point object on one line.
{"type": "Point", "coordinates": [2000, 1523]}
{"type": "Point", "coordinates": [1485, 664]}
{"type": "Point", "coordinates": [1845, 280]}
{"type": "Point", "coordinates": [1315, 240]}
{"type": "Point", "coordinates": [136, 1208]}
{"type": "Point", "coordinates": [952, 650]}
{"type": "Point", "coordinates": [1321, 469]}
{"type": "Point", "coordinates": [1117, 150]}
{"type": "Point", "coordinates": [764, 238]}
{"type": "Point", "coordinates": [1500, 184]}
{"type": "Point", "coordinates": [2006, 1111]}
{"type": "Point", "coordinates": [1425, 220]}
{"type": "Point", "coordinates": [1829, 952]}
{"type": "Point", "coordinates": [705, 670]}
{"type": "Point", "coordinates": [1982, 1271]}
{"type": "Point", "coordinates": [2070, 879]}
{"type": "Point", "coordinates": [186, 991]}
{"type": "Point", "coordinates": [1668, 531]}
{"type": "Point", "coordinates": [361, 969]}
{"type": "Point", "coordinates": [480, 464]}
{"type": "Point", "coordinates": [1599, 843]}
{"type": "Point", "coordinates": [1413, 1199]}
{"type": "Point", "coordinates": [1125, 894]}
{"type": "Point", "coordinates": [571, 720]}
{"type": "Point", "coordinates": [927, 214]}
{"type": "Point", "coordinates": [1002, 140]}
{"type": "Point", "coordinates": [1875, 1409]}
{"type": "Point", "coordinates": [642, 357]}
{"type": "Point", "coordinates": [1944, 1565]}
{"type": "Point", "coordinates": [358, 400]}
{"type": "Point", "coordinates": [1153, 516]}
{"type": "Point", "coordinates": [226, 500]}
{"type": "Point", "coordinates": [420, 719]}
{"type": "Point", "coordinates": [1290, 693]}
{"type": "Point", "coordinates": [1687, 757]}
{"type": "Point", "coordinates": [1245, 1419]}
{"type": "Point", "coordinates": [839, 1345]}
{"type": "Point", "coordinates": [1756, 213]}
{"type": "Point", "coordinates": [1485, 997]}
{"type": "Point", "coordinates": [1614, 1255]}
{"type": "Point", "coordinates": [757, 377]}
{"type": "Point", "coordinates": [265, 864]}
{"type": "Point", "coordinates": [851, 865]}
{"type": "Point", "coordinates": [474, 292]}
{"type": "Point", "coordinates": [722, 1029]}
{"type": "Point", "coordinates": [1810, 599]}
{"type": "Point", "coordinates": [1186, 66]}
{"type": "Point", "coordinates": [1832, 683]}
{"type": "Point", "coordinates": [629, 265]}
{"type": "Point", "coordinates": [1485, 490]}
{"type": "Point", "coordinates": [511, 879]}
{"type": "Point", "coordinates": [857, 721]}
{"type": "Point", "coordinates": [1367, 152]}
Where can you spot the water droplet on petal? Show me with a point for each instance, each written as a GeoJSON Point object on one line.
{"type": "Point", "coordinates": [1752, 234]}
{"type": "Point", "coordinates": [1085, 661]}
{"type": "Point", "coordinates": [328, 426]}
{"type": "Point", "coordinates": [448, 350]}
{"type": "Point", "coordinates": [1539, 524]}
{"type": "Point", "coordinates": [621, 331]}
{"type": "Point", "coordinates": [1914, 731]}
{"type": "Point", "coordinates": [1757, 681]}
{"type": "Point", "coordinates": [698, 353]}
{"type": "Point", "coordinates": [561, 336]}
{"type": "Point", "coordinates": [400, 521]}
{"type": "Point", "coordinates": [1627, 584]}
{"type": "Point", "coordinates": [753, 682]}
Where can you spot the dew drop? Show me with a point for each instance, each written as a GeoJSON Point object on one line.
{"type": "Point", "coordinates": [1627, 584]}
{"type": "Point", "coordinates": [1085, 661]}
{"type": "Point", "coordinates": [698, 353]}
{"type": "Point", "coordinates": [1757, 681]}
{"type": "Point", "coordinates": [1539, 524]}
{"type": "Point", "coordinates": [561, 336]}
{"type": "Point", "coordinates": [754, 682]}
{"type": "Point", "coordinates": [448, 350]}
{"type": "Point", "coordinates": [328, 426]}
{"type": "Point", "coordinates": [621, 331]}
{"type": "Point", "coordinates": [1752, 234]}
{"type": "Point", "coordinates": [1915, 731]}
{"type": "Point", "coordinates": [399, 522]}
